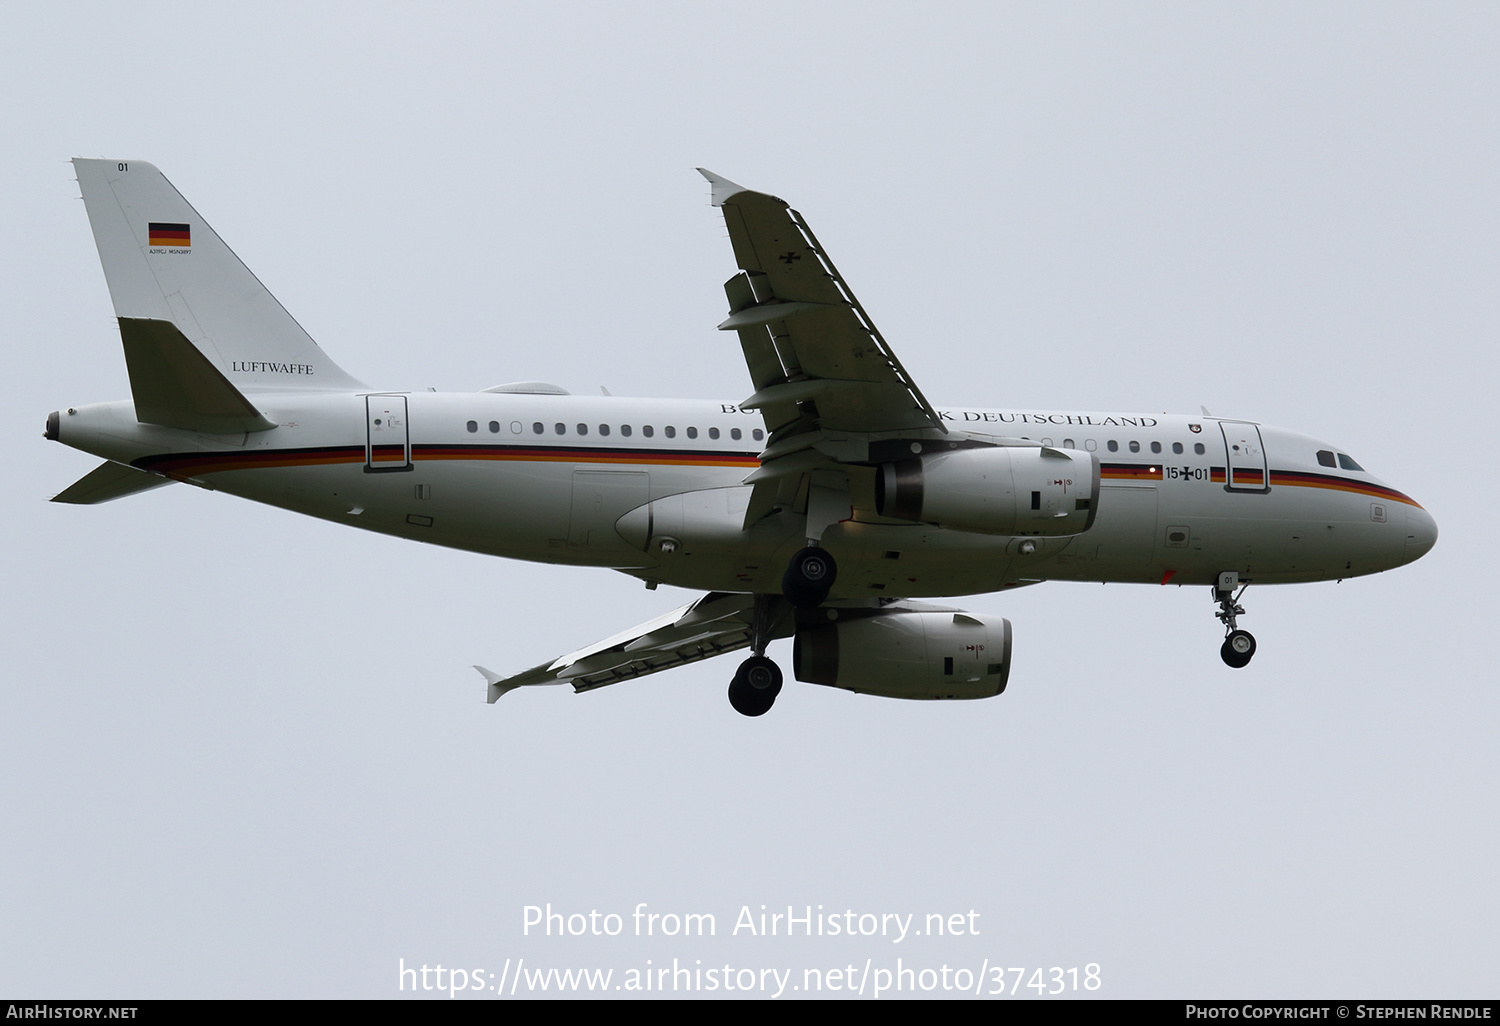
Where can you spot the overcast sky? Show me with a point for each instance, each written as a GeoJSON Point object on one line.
{"type": "Point", "coordinates": [243, 753]}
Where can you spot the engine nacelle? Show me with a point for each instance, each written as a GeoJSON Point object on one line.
{"type": "Point", "coordinates": [907, 655]}
{"type": "Point", "coordinates": [1006, 490]}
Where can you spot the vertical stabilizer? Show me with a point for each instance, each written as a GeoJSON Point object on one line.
{"type": "Point", "coordinates": [163, 262]}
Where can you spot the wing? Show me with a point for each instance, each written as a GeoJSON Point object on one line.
{"type": "Point", "coordinates": [825, 380]}
{"type": "Point", "coordinates": [808, 342]}
{"type": "Point", "coordinates": [714, 624]}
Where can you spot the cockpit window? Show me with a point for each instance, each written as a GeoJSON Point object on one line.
{"type": "Point", "coordinates": [1348, 464]}
{"type": "Point", "coordinates": [1325, 458]}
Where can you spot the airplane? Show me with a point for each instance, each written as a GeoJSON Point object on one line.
{"type": "Point", "coordinates": [823, 507]}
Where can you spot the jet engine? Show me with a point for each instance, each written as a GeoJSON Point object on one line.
{"type": "Point", "coordinates": [907, 654]}
{"type": "Point", "coordinates": [1001, 490]}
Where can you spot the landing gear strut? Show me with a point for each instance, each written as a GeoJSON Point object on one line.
{"type": "Point", "coordinates": [1238, 645]}
{"type": "Point", "coordinates": [757, 682]}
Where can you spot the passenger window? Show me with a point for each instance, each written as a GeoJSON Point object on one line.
{"type": "Point", "coordinates": [713, 432]}
{"type": "Point", "coordinates": [515, 427]}
{"type": "Point", "coordinates": [1135, 446]}
{"type": "Point", "coordinates": [734, 433]}
{"type": "Point", "coordinates": [494, 427]}
{"type": "Point", "coordinates": [648, 430]}
{"type": "Point", "coordinates": [561, 429]}
{"type": "Point", "coordinates": [1114, 446]}
{"type": "Point", "coordinates": [604, 429]}
{"type": "Point", "coordinates": [1156, 447]}
{"type": "Point", "coordinates": [473, 426]}
{"type": "Point", "coordinates": [1177, 448]}
{"type": "Point", "coordinates": [1090, 444]}
{"type": "Point", "coordinates": [583, 429]}
{"type": "Point", "coordinates": [757, 434]}
{"type": "Point", "coordinates": [1198, 448]}
{"type": "Point", "coordinates": [1325, 458]}
{"type": "Point", "coordinates": [625, 430]}
{"type": "Point", "coordinates": [692, 432]}
{"type": "Point", "coordinates": [1046, 441]}
{"type": "Point", "coordinates": [537, 428]}
{"type": "Point", "coordinates": [1349, 464]}
{"type": "Point", "coordinates": [1068, 444]}
{"type": "Point", "coordinates": [670, 431]}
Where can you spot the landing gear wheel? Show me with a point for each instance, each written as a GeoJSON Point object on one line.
{"type": "Point", "coordinates": [755, 686]}
{"type": "Point", "coordinates": [1238, 647]}
{"type": "Point", "coordinates": [809, 577]}
{"type": "Point", "coordinates": [761, 674]}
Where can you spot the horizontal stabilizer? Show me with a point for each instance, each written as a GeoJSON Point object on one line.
{"type": "Point", "coordinates": [109, 481]}
{"type": "Point", "coordinates": [176, 386]}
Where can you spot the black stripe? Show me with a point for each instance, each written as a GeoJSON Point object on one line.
{"type": "Point", "coordinates": [583, 450]}
{"type": "Point", "coordinates": [169, 460]}
{"type": "Point", "coordinates": [1301, 476]}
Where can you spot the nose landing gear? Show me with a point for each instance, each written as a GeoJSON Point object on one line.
{"type": "Point", "coordinates": [1239, 646]}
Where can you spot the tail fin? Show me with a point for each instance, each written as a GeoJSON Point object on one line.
{"type": "Point", "coordinates": [163, 262]}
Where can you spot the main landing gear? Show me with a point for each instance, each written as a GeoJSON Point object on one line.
{"type": "Point", "coordinates": [806, 584]}
{"type": "Point", "coordinates": [755, 686]}
{"type": "Point", "coordinates": [809, 577]}
{"type": "Point", "coordinates": [757, 682]}
{"type": "Point", "coordinates": [1238, 645]}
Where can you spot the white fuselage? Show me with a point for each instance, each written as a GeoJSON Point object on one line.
{"type": "Point", "coordinates": [549, 478]}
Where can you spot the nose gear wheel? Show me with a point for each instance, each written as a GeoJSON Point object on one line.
{"type": "Point", "coordinates": [1237, 649]}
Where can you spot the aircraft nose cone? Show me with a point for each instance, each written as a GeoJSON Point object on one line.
{"type": "Point", "coordinates": [1421, 533]}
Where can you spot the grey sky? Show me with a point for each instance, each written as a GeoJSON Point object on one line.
{"type": "Point", "coordinates": [244, 753]}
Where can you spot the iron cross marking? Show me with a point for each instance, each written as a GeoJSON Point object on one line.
{"type": "Point", "coordinates": [788, 257]}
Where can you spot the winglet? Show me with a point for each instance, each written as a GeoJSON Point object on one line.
{"type": "Point", "coordinates": [723, 188]}
{"type": "Point", "coordinates": [496, 688]}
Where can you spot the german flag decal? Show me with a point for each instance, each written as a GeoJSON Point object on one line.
{"type": "Point", "coordinates": [1130, 472]}
{"type": "Point", "coordinates": [163, 234]}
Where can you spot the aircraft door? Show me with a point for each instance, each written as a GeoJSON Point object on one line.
{"type": "Point", "coordinates": [1245, 457]}
{"type": "Point", "coordinates": [387, 436]}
